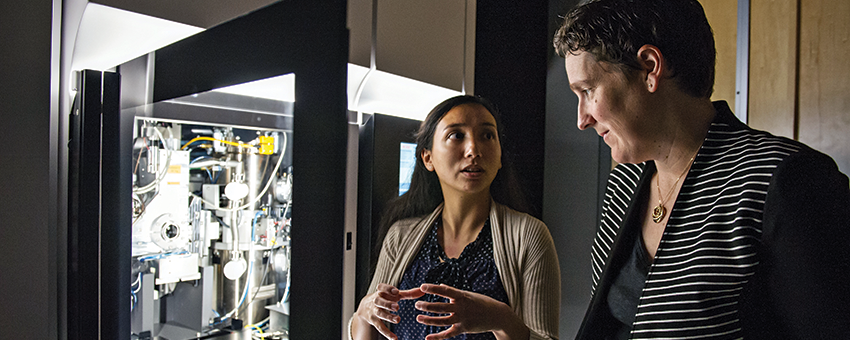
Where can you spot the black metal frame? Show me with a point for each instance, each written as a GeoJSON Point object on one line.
{"type": "Point", "coordinates": [305, 37]}
{"type": "Point", "coordinates": [378, 175]}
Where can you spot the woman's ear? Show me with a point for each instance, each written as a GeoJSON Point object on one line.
{"type": "Point", "coordinates": [652, 61]}
{"type": "Point", "coordinates": [426, 159]}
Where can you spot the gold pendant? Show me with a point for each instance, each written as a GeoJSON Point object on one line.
{"type": "Point", "coordinates": [658, 213]}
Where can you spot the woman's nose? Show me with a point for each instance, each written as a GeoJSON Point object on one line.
{"type": "Point", "coordinates": [584, 120]}
{"type": "Point", "coordinates": [472, 149]}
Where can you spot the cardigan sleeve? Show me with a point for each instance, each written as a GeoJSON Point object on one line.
{"type": "Point", "coordinates": [384, 266]}
{"type": "Point", "coordinates": [386, 262]}
{"type": "Point", "coordinates": [805, 261]}
{"type": "Point", "coordinates": [386, 259]}
{"type": "Point", "coordinates": [541, 281]}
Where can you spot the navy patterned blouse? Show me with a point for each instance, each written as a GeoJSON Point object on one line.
{"type": "Point", "coordinates": [474, 270]}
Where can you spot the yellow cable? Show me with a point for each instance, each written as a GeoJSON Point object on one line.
{"type": "Point", "coordinates": [258, 330]}
{"type": "Point", "coordinates": [217, 140]}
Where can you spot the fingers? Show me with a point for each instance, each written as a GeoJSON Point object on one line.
{"type": "Point", "coordinates": [451, 332]}
{"type": "Point", "coordinates": [413, 293]}
{"type": "Point", "coordinates": [382, 306]}
{"type": "Point", "coordinates": [383, 311]}
{"type": "Point", "coordinates": [386, 297]}
{"type": "Point", "coordinates": [441, 290]}
{"type": "Point", "coordinates": [436, 307]}
{"type": "Point", "coordinates": [385, 315]}
{"type": "Point", "coordinates": [440, 321]}
{"type": "Point", "coordinates": [387, 290]}
{"type": "Point", "coordinates": [370, 314]}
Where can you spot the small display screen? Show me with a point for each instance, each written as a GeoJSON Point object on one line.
{"type": "Point", "coordinates": [406, 163]}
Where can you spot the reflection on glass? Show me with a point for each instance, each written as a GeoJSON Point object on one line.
{"type": "Point", "coordinates": [406, 162]}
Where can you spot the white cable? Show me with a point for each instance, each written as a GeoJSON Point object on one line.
{"type": "Point", "coordinates": [138, 281]}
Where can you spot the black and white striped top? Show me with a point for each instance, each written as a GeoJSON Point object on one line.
{"type": "Point", "coordinates": [699, 285]}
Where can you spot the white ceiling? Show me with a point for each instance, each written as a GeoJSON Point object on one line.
{"type": "Point", "coordinates": [109, 36]}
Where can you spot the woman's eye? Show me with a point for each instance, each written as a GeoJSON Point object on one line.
{"type": "Point", "coordinates": [455, 135]}
{"type": "Point", "coordinates": [489, 135]}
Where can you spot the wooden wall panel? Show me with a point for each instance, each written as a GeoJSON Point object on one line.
{"type": "Point", "coordinates": [723, 18]}
{"type": "Point", "coordinates": [773, 63]}
{"type": "Point", "coordinates": [824, 95]}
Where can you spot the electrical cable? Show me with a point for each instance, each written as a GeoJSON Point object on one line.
{"type": "Point", "coordinates": [138, 281]}
{"type": "Point", "coordinates": [265, 188]}
{"type": "Point", "coordinates": [254, 224]}
{"type": "Point", "coordinates": [260, 330]}
{"type": "Point", "coordinates": [161, 255]}
{"type": "Point", "coordinates": [242, 305]}
{"type": "Point", "coordinates": [206, 168]}
{"type": "Point", "coordinates": [133, 298]}
{"type": "Point", "coordinates": [241, 145]}
{"type": "Point", "coordinates": [259, 327]}
{"type": "Point", "coordinates": [288, 283]}
{"type": "Point", "coordinates": [265, 274]}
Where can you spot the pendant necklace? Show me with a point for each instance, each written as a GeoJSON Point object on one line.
{"type": "Point", "coordinates": [659, 211]}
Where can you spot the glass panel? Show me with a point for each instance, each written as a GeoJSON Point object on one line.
{"type": "Point", "coordinates": [406, 163]}
{"type": "Point", "coordinates": [212, 197]}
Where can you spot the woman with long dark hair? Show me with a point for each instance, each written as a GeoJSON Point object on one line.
{"type": "Point", "coordinates": [459, 259]}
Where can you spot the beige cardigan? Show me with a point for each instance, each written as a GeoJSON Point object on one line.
{"type": "Point", "coordinates": [522, 249]}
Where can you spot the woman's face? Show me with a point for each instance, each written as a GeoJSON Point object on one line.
{"type": "Point", "coordinates": [614, 105]}
{"type": "Point", "coordinates": [466, 153]}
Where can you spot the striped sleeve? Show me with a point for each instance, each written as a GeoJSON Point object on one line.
{"type": "Point", "coordinates": [709, 251]}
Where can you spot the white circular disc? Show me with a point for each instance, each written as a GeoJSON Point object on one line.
{"type": "Point", "coordinates": [236, 191]}
{"type": "Point", "coordinates": [234, 269]}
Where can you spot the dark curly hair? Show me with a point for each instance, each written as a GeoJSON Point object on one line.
{"type": "Point", "coordinates": [614, 30]}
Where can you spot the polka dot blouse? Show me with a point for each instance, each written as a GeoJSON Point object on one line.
{"type": "Point", "coordinates": [474, 270]}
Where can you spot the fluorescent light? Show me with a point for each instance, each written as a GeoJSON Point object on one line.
{"type": "Point", "coordinates": [392, 94]}
{"type": "Point", "coordinates": [108, 37]}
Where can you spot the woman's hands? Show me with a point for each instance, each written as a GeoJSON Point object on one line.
{"type": "Point", "coordinates": [378, 307]}
{"type": "Point", "coordinates": [469, 312]}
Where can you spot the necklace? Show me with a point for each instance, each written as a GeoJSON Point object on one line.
{"type": "Point", "coordinates": [659, 211]}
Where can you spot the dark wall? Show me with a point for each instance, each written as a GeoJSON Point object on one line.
{"type": "Point", "coordinates": [560, 167]}
{"type": "Point", "coordinates": [510, 70]}
{"type": "Point", "coordinates": [576, 168]}
{"type": "Point", "coordinates": [27, 174]}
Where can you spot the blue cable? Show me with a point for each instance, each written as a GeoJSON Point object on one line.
{"type": "Point", "coordinates": [199, 158]}
{"type": "Point", "coordinates": [209, 173]}
{"type": "Point", "coordinates": [161, 255]}
{"type": "Point", "coordinates": [254, 224]}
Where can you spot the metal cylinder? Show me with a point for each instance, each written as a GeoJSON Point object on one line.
{"type": "Point", "coordinates": [254, 178]}
{"type": "Point", "coordinates": [251, 292]}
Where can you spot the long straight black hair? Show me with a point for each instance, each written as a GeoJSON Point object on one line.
{"type": "Point", "coordinates": [425, 193]}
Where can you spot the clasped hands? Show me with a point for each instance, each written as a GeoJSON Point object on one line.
{"type": "Point", "coordinates": [464, 313]}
